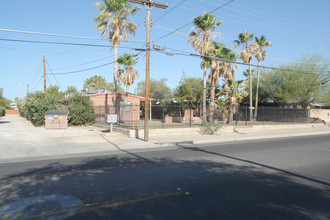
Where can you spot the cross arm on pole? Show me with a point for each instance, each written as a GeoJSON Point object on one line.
{"type": "Point", "coordinates": [152, 4]}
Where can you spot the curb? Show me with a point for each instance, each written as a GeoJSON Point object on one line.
{"type": "Point", "coordinates": [259, 137]}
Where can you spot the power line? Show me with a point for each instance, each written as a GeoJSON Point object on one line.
{"type": "Point", "coordinates": [54, 76]}
{"type": "Point", "coordinates": [267, 15]}
{"type": "Point", "coordinates": [185, 53]}
{"type": "Point", "coordinates": [37, 83]}
{"type": "Point", "coordinates": [160, 17]}
{"type": "Point", "coordinates": [52, 42]}
{"type": "Point", "coordinates": [59, 35]}
{"type": "Point", "coordinates": [192, 21]}
{"type": "Point", "coordinates": [83, 70]}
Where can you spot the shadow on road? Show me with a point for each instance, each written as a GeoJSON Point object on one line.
{"type": "Point", "coordinates": [210, 190]}
{"type": "Point", "coordinates": [255, 163]}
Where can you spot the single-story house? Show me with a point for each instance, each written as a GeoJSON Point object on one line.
{"type": "Point", "coordinates": [104, 104]}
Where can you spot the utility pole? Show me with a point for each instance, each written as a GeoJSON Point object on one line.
{"type": "Point", "coordinates": [44, 59]}
{"type": "Point", "coordinates": [27, 89]}
{"type": "Point", "coordinates": [146, 101]}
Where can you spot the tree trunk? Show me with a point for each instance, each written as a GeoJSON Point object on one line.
{"type": "Point", "coordinates": [115, 80]}
{"type": "Point", "coordinates": [250, 94]}
{"type": "Point", "coordinates": [122, 115]}
{"type": "Point", "coordinates": [126, 94]}
{"type": "Point", "coordinates": [204, 95]}
{"type": "Point", "coordinates": [212, 94]}
{"type": "Point", "coordinates": [230, 115]}
{"type": "Point", "coordinates": [257, 93]}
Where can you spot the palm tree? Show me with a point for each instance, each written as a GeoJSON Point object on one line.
{"type": "Point", "coordinates": [128, 74]}
{"type": "Point", "coordinates": [246, 56]}
{"type": "Point", "coordinates": [234, 96]}
{"type": "Point", "coordinates": [114, 20]}
{"type": "Point", "coordinates": [260, 54]}
{"type": "Point", "coordinates": [202, 41]}
{"type": "Point", "coordinates": [220, 69]}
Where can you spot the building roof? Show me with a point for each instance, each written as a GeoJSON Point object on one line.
{"type": "Point", "coordinates": [142, 99]}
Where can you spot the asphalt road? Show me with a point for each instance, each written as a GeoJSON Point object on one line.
{"type": "Point", "coordinates": [273, 179]}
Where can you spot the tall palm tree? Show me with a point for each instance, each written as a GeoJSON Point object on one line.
{"type": "Point", "coordinates": [202, 41]}
{"type": "Point", "coordinates": [260, 54]}
{"type": "Point", "coordinates": [128, 74]}
{"type": "Point", "coordinates": [234, 96]}
{"type": "Point", "coordinates": [220, 69]}
{"type": "Point", "coordinates": [114, 19]}
{"type": "Point", "coordinates": [246, 56]}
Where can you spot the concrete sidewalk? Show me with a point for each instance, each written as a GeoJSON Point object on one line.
{"type": "Point", "coordinates": [20, 140]}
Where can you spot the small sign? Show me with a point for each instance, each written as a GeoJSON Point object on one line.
{"type": "Point", "coordinates": [111, 118]}
{"type": "Point", "coordinates": [50, 117]}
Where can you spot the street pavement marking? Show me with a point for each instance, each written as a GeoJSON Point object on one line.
{"type": "Point", "coordinates": [92, 206]}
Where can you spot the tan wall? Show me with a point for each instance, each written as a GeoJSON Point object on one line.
{"type": "Point", "coordinates": [12, 112]}
{"type": "Point", "coordinates": [323, 114]}
{"type": "Point", "coordinates": [105, 101]}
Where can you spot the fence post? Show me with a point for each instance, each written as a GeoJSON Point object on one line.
{"type": "Point", "coordinates": [293, 115]}
{"type": "Point", "coordinates": [190, 116]}
{"type": "Point", "coordinates": [236, 115]}
{"type": "Point", "coordinates": [163, 117]}
{"type": "Point", "coordinates": [245, 115]}
{"type": "Point", "coordinates": [263, 114]}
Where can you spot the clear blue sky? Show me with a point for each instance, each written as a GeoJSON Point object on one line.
{"type": "Point", "coordinates": [295, 27]}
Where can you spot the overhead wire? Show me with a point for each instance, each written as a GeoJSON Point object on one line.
{"type": "Point", "coordinates": [258, 24]}
{"type": "Point", "coordinates": [54, 76]}
{"type": "Point", "coordinates": [91, 68]}
{"type": "Point", "coordinates": [61, 35]}
{"type": "Point", "coordinates": [192, 21]}
{"type": "Point", "coordinates": [168, 11]}
{"type": "Point", "coordinates": [186, 53]}
{"type": "Point", "coordinates": [279, 18]}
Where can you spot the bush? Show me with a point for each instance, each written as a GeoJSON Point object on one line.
{"type": "Point", "coordinates": [34, 107]}
{"type": "Point", "coordinates": [210, 128]}
{"type": "Point", "coordinates": [2, 111]}
{"type": "Point", "coordinates": [81, 111]}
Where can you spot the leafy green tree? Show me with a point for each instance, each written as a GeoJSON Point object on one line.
{"type": "Point", "coordinates": [36, 105]}
{"type": "Point", "coordinates": [128, 73]}
{"type": "Point", "coordinates": [71, 90]}
{"type": "Point", "coordinates": [189, 90]}
{"type": "Point", "coordinates": [260, 54]}
{"type": "Point", "coordinates": [297, 87]}
{"type": "Point", "coordinates": [114, 20]}
{"type": "Point", "coordinates": [158, 90]}
{"type": "Point", "coordinates": [81, 110]}
{"type": "Point", "coordinates": [95, 81]}
{"type": "Point", "coordinates": [54, 90]}
{"type": "Point", "coordinates": [100, 82]}
{"type": "Point", "coordinates": [202, 41]}
{"type": "Point", "coordinates": [246, 56]}
{"type": "Point", "coordinates": [4, 103]}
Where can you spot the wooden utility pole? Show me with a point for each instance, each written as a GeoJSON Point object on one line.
{"type": "Point", "coordinates": [146, 102]}
{"type": "Point", "coordinates": [44, 59]}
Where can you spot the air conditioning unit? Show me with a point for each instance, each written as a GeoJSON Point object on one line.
{"type": "Point", "coordinates": [92, 90]}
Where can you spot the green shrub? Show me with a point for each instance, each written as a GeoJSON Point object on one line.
{"type": "Point", "coordinates": [81, 111]}
{"type": "Point", "coordinates": [34, 107]}
{"type": "Point", "coordinates": [210, 128]}
{"type": "Point", "coordinates": [2, 111]}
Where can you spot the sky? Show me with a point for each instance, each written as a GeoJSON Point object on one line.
{"type": "Point", "coordinates": [295, 28]}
